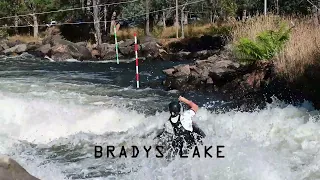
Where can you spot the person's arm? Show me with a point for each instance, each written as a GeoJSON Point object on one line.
{"type": "Point", "coordinates": [192, 105]}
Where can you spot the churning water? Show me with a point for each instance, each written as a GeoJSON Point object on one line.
{"type": "Point", "coordinates": [53, 114]}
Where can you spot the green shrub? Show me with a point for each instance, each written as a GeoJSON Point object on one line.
{"type": "Point", "coordinates": [3, 33]}
{"type": "Point", "coordinates": [266, 46]}
{"type": "Point", "coordinates": [157, 31]}
{"type": "Point", "coordinates": [222, 30]}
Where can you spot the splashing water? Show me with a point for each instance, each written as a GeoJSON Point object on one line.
{"type": "Point", "coordinates": [52, 133]}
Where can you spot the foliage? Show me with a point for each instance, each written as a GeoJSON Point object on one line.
{"type": "Point", "coordinates": [3, 33]}
{"type": "Point", "coordinates": [202, 11]}
{"type": "Point", "coordinates": [222, 30]}
{"type": "Point", "coordinates": [266, 46]}
{"type": "Point", "coordinates": [229, 6]}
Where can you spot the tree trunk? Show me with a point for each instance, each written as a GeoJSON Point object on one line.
{"type": "Point", "coordinates": [89, 4]}
{"type": "Point", "coordinates": [277, 7]}
{"type": "Point", "coordinates": [244, 15]}
{"type": "Point", "coordinates": [318, 11]}
{"type": "Point", "coordinates": [147, 30]}
{"type": "Point", "coordinates": [182, 23]}
{"type": "Point", "coordinates": [105, 18]}
{"type": "Point", "coordinates": [112, 24]}
{"type": "Point", "coordinates": [177, 20]}
{"type": "Point", "coordinates": [164, 18]}
{"type": "Point", "coordinates": [82, 4]}
{"type": "Point", "coordinates": [186, 17]}
{"type": "Point", "coordinates": [35, 26]}
{"type": "Point", "coordinates": [315, 16]}
{"type": "Point", "coordinates": [265, 8]}
{"type": "Point", "coordinates": [96, 22]}
{"type": "Point", "coordinates": [16, 23]}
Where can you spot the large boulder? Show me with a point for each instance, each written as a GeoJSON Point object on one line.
{"type": "Point", "coordinates": [148, 47]}
{"type": "Point", "coordinates": [151, 50]}
{"type": "Point", "coordinates": [126, 48]}
{"type": "Point", "coordinates": [3, 44]}
{"type": "Point", "coordinates": [106, 52]}
{"type": "Point", "coordinates": [45, 49]}
{"type": "Point", "coordinates": [11, 170]}
{"type": "Point", "coordinates": [219, 73]}
{"type": "Point", "coordinates": [66, 47]}
{"type": "Point", "coordinates": [14, 43]}
{"type": "Point", "coordinates": [17, 49]}
{"type": "Point", "coordinates": [61, 56]}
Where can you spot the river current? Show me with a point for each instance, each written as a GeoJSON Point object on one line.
{"type": "Point", "coordinates": [52, 114]}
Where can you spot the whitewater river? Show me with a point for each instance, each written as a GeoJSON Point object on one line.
{"type": "Point", "coordinates": [53, 114]}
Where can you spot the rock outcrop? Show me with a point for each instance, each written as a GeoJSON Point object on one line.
{"type": "Point", "coordinates": [57, 48]}
{"type": "Point", "coordinates": [11, 170]}
{"type": "Point", "coordinates": [220, 73]}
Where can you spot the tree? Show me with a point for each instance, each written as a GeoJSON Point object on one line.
{"type": "Point", "coordinates": [34, 6]}
{"type": "Point", "coordinates": [96, 21]}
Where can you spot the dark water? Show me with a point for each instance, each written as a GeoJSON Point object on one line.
{"type": "Point", "coordinates": [118, 79]}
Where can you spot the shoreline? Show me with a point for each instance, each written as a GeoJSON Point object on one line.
{"type": "Point", "coordinates": [215, 67]}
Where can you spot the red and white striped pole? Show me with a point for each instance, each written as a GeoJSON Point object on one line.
{"type": "Point", "coordinates": [137, 60]}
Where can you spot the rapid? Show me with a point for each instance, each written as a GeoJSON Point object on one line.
{"type": "Point", "coordinates": [52, 114]}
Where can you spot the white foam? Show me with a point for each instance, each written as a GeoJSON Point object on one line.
{"type": "Point", "coordinates": [279, 142]}
{"type": "Point", "coordinates": [40, 121]}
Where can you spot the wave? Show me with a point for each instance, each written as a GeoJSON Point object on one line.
{"type": "Point", "coordinates": [278, 142]}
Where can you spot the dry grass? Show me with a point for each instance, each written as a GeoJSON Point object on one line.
{"type": "Point", "coordinates": [254, 26]}
{"type": "Point", "coordinates": [302, 50]}
{"type": "Point", "coordinates": [24, 38]}
{"type": "Point", "coordinates": [128, 33]}
{"type": "Point", "coordinates": [190, 30]}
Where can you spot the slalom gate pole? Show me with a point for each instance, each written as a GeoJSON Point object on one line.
{"type": "Point", "coordinates": [137, 60]}
{"type": "Point", "coordinates": [116, 43]}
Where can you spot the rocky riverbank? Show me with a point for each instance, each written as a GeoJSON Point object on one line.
{"type": "Point", "coordinates": [11, 170]}
{"type": "Point", "coordinates": [250, 83]}
{"type": "Point", "coordinates": [215, 69]}
{"type": "Point", "coordinates": [55, 47]}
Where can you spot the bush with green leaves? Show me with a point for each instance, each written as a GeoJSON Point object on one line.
{"type": "Point", "coordinates": [266, 46]}
{"type": "Point", "coordinates": [3, 33]}
{"type": "Point", "coordinates": [222, 30]}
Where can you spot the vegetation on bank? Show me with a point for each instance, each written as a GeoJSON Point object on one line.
{"type": "Point", "coordinates": [254, 37]}
{"type": "Point", "coordinates": [293, 50]}
{"type": "Point", "coordinates": [291, 43]}
{"type": "Point", "coordinates": [265, 45]}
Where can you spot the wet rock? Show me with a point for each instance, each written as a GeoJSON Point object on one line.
{"type": "Point", "coordinates": [3, 45]}
{"type": "Point", "coordinates": [169, 72]}
{"type": "Point", "coordinates": [203, 54]}
{"type": "Point", "coordinates": [11, 170]}
{"type": "Point", "coordinates": [44, 49]}
{"type": "Point", "coordinates": [61, 56]}
{"type": "Point", "coordinates": [67, 47]}
{"type": "Point", "coordinates": [195, 44]}
{"type": "Point", "coordinates": [32, 46]}
{"type": "Point", "coordinates": [107, 52]}
{"type": "Point", "coordinates": [18, 49]}
{"type": "Point", "coordinates": [95, 53]}
{"type": "Point", "coordinates": [151, 50]}
{"type": "Point", "coordinates": [221, 74]}
{"type": "Point", "coordinates": [179, 56]}
{"type": "Point", "coordinates": [14, 43]}
{"type": "Point", "coordinates": [148, 47]}
{"type": "Point", "coordinates": [126, 48]}
{"type": "Point", "coordinates": [84, 44]}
